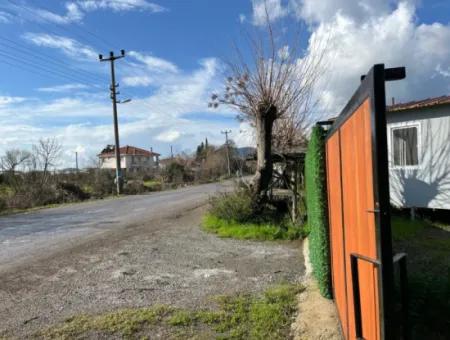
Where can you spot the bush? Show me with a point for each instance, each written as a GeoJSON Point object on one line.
{"type": "Point", "coordinates": [235, 206]}
{"type": "Point", "coordinates": [135, 187]}
{"type": "Point", "coordinates": [3, 204]}
{"type": "Point", "coordinates": [103, 182]}
{"type": "Point", "coordinates": [72, 192]}
{"type": "Point", "coordinates": [317, 210]}
{"type": "Point", "coordinates": [176, 173]}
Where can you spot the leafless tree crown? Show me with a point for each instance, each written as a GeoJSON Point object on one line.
{"type": "Point", "coordinates": [274, 76]}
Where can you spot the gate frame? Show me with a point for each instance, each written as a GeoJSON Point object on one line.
{"type": "Point", "coordinates": [373, 87]}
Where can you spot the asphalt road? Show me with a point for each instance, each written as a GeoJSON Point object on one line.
{"type": "Point", "coordinates": [135, 251]}
{"type": "Point", "coordinates": [28, 235]}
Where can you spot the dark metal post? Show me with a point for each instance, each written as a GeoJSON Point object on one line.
{"type": "Point", "coordinates": [356, 297]}
{"type": "Point", "coordinates": [114, 93]}
{"type": "Point", "coordinates": [404, 296]}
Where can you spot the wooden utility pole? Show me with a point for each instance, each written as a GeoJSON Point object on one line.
{"type": "Point", "coordinates": [226, 132]}
{"type": "Point", "coordinates": [114, 93]}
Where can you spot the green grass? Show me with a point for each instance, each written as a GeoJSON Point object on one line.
{"type": "Point", "coordinates": [152, 184]}
{"type": "Point", "coordinates": [125, 323]}
{"type": "Point", "coordinates": [243, 316]}
{"type": "Point", "coordinates": [404, 229]}
{"type": "Point", "coordinates": [251, 231]}
{"type": "Point", "coordinates": [428, 250]}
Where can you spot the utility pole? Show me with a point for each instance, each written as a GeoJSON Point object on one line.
{"type": "Point", "coordinates": [171, 152]}
{"type": "Point", "coordinates": [114, 94]}
{"type": "Point", "coordinates": [226, 132]}
{"type": "Point", "coordinates": [76, 160]}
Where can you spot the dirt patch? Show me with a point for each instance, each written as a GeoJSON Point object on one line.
{"type": "Point", "coordinates": [167, 261]}
{"type": "Point", "coordinates": [316, 316]}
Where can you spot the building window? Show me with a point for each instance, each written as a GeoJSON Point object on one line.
{"type": "Point", "coordinates": [405, 146]}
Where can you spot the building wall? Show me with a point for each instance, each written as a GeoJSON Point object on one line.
{"type": "Point", "coordinates": [130, 162]}
{"type": "Point", "coordinates": [426, 185]}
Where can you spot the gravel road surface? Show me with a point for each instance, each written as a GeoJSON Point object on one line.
{"type": "Point", "coordinates": [128, 252]}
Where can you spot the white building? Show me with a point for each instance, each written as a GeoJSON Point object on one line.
{"type": "Point", "coordinates": [419, 153]}
{"type": "Point", "coordinates": [132, 159]}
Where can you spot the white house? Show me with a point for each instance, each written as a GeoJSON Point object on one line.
{"type": "Point", "coordinates": [132, 159]}
{"type": "Point", "coordinates": [419, 153]}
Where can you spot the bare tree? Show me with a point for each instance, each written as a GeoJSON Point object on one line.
{"type": "Point", "coordinates": [272, 89]}
{"type": "Point", "coordinates": [46, 153]}
{"type": "Point", "coordinates": [13, 159]}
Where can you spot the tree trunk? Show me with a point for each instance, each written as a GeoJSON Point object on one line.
{"type": "Point", "coordinates": [264, 166]}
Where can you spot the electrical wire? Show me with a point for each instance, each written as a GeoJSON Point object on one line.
{"type": "Point", "coordinates": [64, 67]}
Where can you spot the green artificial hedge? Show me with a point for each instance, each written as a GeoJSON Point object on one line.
{"type": "Point", "coordinates": [317, 210]}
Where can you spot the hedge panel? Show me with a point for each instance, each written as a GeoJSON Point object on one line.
{"type": "Point", "coordinates": [317, 210]}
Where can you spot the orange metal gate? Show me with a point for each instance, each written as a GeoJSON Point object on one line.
{"type": "Point", "coordinates": [358, 200]}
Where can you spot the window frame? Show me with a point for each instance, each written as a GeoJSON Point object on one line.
{"type": "Point", "coordinates": [405, 125]}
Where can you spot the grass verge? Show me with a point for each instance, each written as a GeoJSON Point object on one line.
{"type": "Point", "coordinates": [251, 231]}
{"type": "Point", "coordinates": [428, 250]}
{"type": "Point", "coordinates": [243, 316]}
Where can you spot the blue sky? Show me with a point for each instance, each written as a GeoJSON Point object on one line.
{"type": "Point", "coordinates": [54, 86]}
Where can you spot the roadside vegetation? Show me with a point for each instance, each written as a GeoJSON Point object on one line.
{"type": "Point", "coordinates": [242, 316]}
{"type": "Point", "coordinates": [231, 215]}
{"type": "Point", "coordinates": [317, 210]}
{"type": "Point", "coordinates": [428, 249]}
{"type": "Point", "coordinates": [29, 179]}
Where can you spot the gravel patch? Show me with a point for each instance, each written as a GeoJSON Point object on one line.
{"type": "Point", "coordinates": [167, 260]}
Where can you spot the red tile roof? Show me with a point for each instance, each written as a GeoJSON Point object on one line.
{"type": "Point", "coordinates": [128, 150]}
{"type": "Point", "coordinates": [419, 104]}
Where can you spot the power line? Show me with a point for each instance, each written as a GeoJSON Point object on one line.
{"type": "Point", "coordinates": [104, 41]}
{"type": "Point", "coordinates": [64, 67]}
{"type": "Point", "coordinates": [39, 67]}
{"type": "Point", "coordinates": [43, 18]}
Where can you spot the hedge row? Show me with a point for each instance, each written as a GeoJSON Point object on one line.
{"type": "Point", "coordinates": [317, 210]}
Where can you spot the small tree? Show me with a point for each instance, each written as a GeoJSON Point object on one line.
{"type": "Point", "coordinates": [13, 159]}
{"type": "Point", "coordinates": [274, 86]}
{"type": "Point", "coordinates": [46, 153]}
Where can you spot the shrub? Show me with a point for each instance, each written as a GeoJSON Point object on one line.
{"type": "Point", "coordinates": [235, 206]}
{"type": "Point", "coordinates": [3, 204]}
{"type": "Point", "coordinates": [103, 182]}
{"type": "Point", "coordinates": [72, 192]}
{"type": "Point", "coordinates": [316, 205]}
{"type": "Point", "coordinates": [135, 187]}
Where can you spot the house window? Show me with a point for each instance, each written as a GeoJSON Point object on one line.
{"type": "Point", "coordinates": [405, 146]}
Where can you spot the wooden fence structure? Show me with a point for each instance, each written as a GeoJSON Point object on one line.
{"type": "Point", "coordinates": [362, 266]}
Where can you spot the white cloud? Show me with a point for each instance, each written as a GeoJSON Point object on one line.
{"type": "Point", "coordinates": [68, 46]}
{"type": "Point", "coordinates": [360, 36]}
{"type": "Point", "coordinates": [319, 11]}
{"type": "Point", "coordinates": [153, 63]}
{"type": "Point", "coordinates": [6, 100]}
{"type": "Point", "coordinates": [135, 81]}
{"type": "Point", "coordinates": [84, 122]}
{"type": "Point", "coordinates": [121, 5]}
{"type": "Point", "coordinates": [242, 18]}
{"type": "Point", "coordinates": [169, 136]}
{"type": "Point", "coordinates": [74, 14]}
{"type": "Point", "coordinates": [275, 10]}
{"type": "Point", "coordinates": [5, 17]}
{"type": "Point", "coordinates": [63, 88]}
